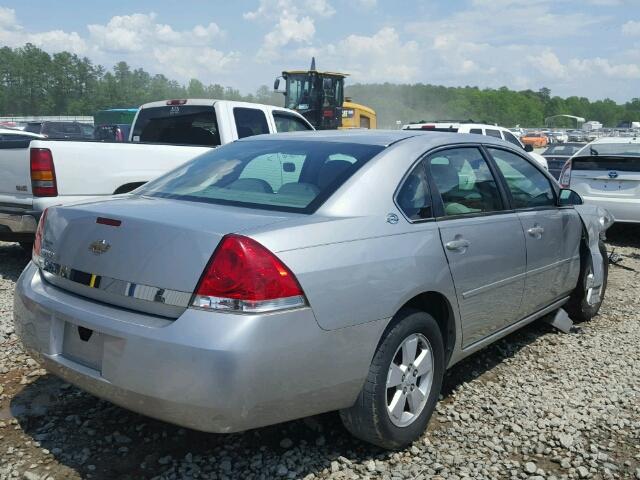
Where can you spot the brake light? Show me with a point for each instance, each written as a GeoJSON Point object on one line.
{"type": "Point", "coordinates": [37, 242]}
{"type": "Point", "coordinates": [242, 276]}
{"type": "Point", "coordinates": [328, 113]}
{"type": "Point", "coordinates": [565, 175]}
{"type": "Point", "coordinates": [43, 174]}
{"type": "Point", "coordinates": [428, 127]}
{"type": "Point", "coordinates": [176, 102]}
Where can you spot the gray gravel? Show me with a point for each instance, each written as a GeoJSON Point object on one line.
{"type": "Point", "coordinates": [537, 405]}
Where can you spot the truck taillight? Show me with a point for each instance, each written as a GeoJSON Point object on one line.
{"type": "Point", "coordinates": [176, 102]}
{"type": "Point", "coordinates": [565, 175]}
{"type": "Point", "coordinates": [428, 127]}
{"type": "Point", "coordinates": [328, 113]}
{"type": "Point", "coordinates": [43, 174]}
{"type": "Point", "coordinates": [37, 242]}
{"type": "Point", "coordinates": [243, 276]}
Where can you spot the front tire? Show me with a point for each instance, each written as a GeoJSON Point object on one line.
{"type": "Point", "coordinates": [403, 384]}
{"type": "Point", "coordinates": [585, 301]}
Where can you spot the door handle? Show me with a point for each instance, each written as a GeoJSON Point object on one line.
{"type": "Point", "coordinates": [536, 231]}
{"type": "Point", "coordinates": [460, 244]}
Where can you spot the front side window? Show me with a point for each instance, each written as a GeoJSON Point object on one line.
{"type": "Point", "coordinates": [283, 175]}
{"type": "Point", "coordinates": [529, 187]}
{"type": "Point", "coordinates": [413, 198]}
{"type": "Point", "coordinates": [464, 181]}
{"type": "Point", "coordinates": [250, 122]}
{"type": "Point", "coordinates": [286, 122]}
{"type": "Point", "coordinates": [511, 138]}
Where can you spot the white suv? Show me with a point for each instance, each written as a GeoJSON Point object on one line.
{"type": "Point", "coordinates": [480, 129]}
{"type": "Point", "coordinates": [606, 173]}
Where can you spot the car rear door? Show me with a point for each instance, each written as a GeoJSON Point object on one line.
{"type": "Point", "coordinates": [483, 242]}
{"type": "Point", "coordinates": [552, 233]}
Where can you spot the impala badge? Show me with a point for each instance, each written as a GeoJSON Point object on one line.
{"type": "Point", "coordinates": [99, 247]}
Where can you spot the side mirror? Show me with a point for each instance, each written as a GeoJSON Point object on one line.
{"type": "Point", "coordinates": [276, 84]}
{"type": "Point", "coordinates": [568, 197]}
{"type": "Point", "coordinates": [528, 148]}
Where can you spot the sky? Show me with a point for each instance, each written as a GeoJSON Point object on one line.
{"type": "Point", "coordinates": [587, 48]}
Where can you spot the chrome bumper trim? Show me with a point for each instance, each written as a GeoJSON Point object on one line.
{"type": "Point", "coordinates": [114, 286]}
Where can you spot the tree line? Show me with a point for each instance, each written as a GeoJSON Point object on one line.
{"type": "Point", "coordinates": [33, 82]}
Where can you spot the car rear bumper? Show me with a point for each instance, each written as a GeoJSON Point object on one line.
{"type": "Point", "coordinates": [624, 210]}
{"type": "Point", "coordinates": [17, 224]}
{"type": "Point", "coordinates": [208, 371]}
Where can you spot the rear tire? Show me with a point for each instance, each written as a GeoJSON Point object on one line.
{"type": "Point", "coordinates": [578, 307]}
{"type": "Point", "coordinates": [371, 418]}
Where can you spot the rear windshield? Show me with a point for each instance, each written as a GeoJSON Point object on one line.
{"type": "Point", "coordinates": [562, 149]}
{"type": "Point", "coordinates": [615, 149]}
{"type": "Point", "coordinates": [627, 164]}
{"type": "Point", "coordinates": [284, 175]}
{"type": "Point", "coordinates": [177, 125]}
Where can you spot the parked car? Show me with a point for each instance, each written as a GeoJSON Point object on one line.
{"type": "Point", "coordinates": [535, 139]}
{"type": "Point", "coordinates": [576, 136]}
{"type": "Point", "coordinates": [287, 275]}
{"type": "Point", "coordinates": [479, 129]}
{"type": "Point", "coordinates": [59, 130]}
{"type": "Point", "coordinates": [113, 133]}
{"type": "Point", "coordinates": [606, 173]}
{"type": "Point", "coordinates": [557, 156]}
{"type": "Point", "coordinates": [558, 136]}
{"type": "Point", "coordinates": [50, 172]}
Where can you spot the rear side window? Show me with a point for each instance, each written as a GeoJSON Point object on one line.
{"type": "Point", "coordinates": [414, 198]}
{"type": "Point", "coordinates": [289, 123]}
{"type": "Point", "coordinates": [464, 181]}
{"type": "Point", "coordinates": [476, 130]}
{"type": "Point", "coordinates": [529, 187]}
{"type": "Point", "coordinates": [178, 125]}
{"type": "Point", "coordinates": [33, 127]}
{"type": "Point", "coordinates": [250, 122]}
{"type": "Point", "coordinates": [493, 133]}
{"type": "Point", "coordinates": [285, 175]}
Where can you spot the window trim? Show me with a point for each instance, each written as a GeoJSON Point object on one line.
{"type": "Point", "coordinates": [555, 188]}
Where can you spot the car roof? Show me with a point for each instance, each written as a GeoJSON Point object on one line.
{"type": "Point", "coordinates": [383, 138]}
{"type": "Point", "coordinates": [616, 140]}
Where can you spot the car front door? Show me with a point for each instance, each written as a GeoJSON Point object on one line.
{"type": "Point", "coordinates": [483, 242]}
{"type": "Point", "coordinates": [552, 233]}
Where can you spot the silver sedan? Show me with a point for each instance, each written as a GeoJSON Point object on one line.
{"type": "Point", "coordinates": [288, 275]}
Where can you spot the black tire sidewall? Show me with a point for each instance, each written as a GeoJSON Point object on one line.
{"type": "Point", "coordinates": [413, 322]}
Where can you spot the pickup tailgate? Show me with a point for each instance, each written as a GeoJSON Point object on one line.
{"type": "Point", "coordinates": [610, 177]}
{"type": "Point", "coordinates": [15, 177]}
{"type": "Point", "coordinates": [97, 168]}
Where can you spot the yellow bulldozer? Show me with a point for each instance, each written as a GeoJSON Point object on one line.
{"type": "Point", "coordinates": [319, 97]}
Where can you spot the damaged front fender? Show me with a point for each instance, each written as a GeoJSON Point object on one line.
{"type": "Point", "coordinates": [596, 220]}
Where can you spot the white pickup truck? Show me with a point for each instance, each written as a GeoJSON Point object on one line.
{"type": "Point", "coordinates": [36, 173]}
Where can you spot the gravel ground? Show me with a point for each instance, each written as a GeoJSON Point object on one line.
{"type": "Point", "coordinates": [537, 405]}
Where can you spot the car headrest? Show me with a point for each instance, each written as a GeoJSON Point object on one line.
{"type": "Point", "coordinates": [251, 185]}
{"type": "Point", "coordinates": [299, 189]}
{"type": "Point", "coordinates": [445, 176]}
{"type": "Point", "coordinates": [330, 171]}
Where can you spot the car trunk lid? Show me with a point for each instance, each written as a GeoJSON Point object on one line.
{"type": "Point", "coordinates": [140, 253]}
{"type": "Point", "coordinates": [609, 176]}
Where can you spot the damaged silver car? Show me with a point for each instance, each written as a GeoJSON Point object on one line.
{"type": "Point", "coordinates": [284, 276]}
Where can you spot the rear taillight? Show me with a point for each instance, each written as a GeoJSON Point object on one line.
{"type": "Point", "coordinates": [36, 254]}
{"type": "Point", "coordinates": [176, 102]}
{"type": "Point", "coordinates": [565, 175]}
{"type": "Point", "coordinates": [43, 174]}
{"type": "Point", "coordinates": [243, 276]}
{"type": "Point", "coordinates": [428, 127]}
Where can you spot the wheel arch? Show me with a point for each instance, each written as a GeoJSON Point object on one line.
{"type": "Point", "coordinates": [439, 307]}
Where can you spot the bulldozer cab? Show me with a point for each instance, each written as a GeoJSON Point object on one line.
{"type": "Point", "coordinates": [318, 96]}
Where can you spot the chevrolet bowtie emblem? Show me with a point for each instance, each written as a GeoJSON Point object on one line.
{"type": "Point", "coordinates": [99, 247]}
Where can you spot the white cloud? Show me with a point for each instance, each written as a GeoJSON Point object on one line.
{"type": "Point", "coordinates": [289, 28]}
{"type": "Point", "coordinates": [631, 28]}
{"type": "Point", "coordinates": [139, 31]}
{"type": "Point", "coordinates": [201, 63]}
{"type": "Point", "coordinates": [367, 4]}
